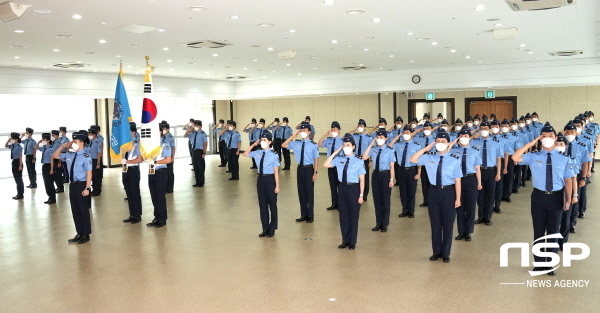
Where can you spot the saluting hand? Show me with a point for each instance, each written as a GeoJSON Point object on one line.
{"type": "Point", "coordinates": [430, 146]}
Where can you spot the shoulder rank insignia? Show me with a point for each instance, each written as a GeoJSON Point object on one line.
{"type": "Point", "coordinates": [496, 140]}
{"type": "Point", "coordinates": [454, 156]}
{"type": "Point", "coordinates": [581, 143]}
{"type": "Point", "coordinates": [86, 155]}
{"type": "Point", "coordinates": [389, 147]}
{"type": "Point", "coordinates": [475, 147]}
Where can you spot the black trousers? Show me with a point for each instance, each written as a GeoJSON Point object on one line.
{"type": "Point", "coordinates": [190, 149]}
{"type": "Point", "coordinates": [575, 207]}
{"type": "Point", "coordinates": [254, 149]}
{"type": "Point", "coordinates": [408, 188]}
{"type": "Point", "coordinates": [233, 163]}
{"type": "Point", "coordinates": [18, 176]}
{"type": "Point", "coordinates": [499, 187]}
{"type": "Point", "coordinates": [518, 171]}
{"type": "Point", "coordinates": [366, 191]}
{"type": "Point", "coordinates": [267, 201]}
{"type": "Point", "coordinates": [465, 214]}
{"type": "Point", "coordinates": [223, 152]}
{"type": "Point", "coordinates": [80, 207]}
{"type": "Point", "coordinates": [286, 157]}
{"type": "Point", "coordinates": [157, 183]}
{"type": "Point", "coordinates": [507, 179]}
{"type": "Point", "coordinates": [524, 173]}
{"type": "Point", "coordinates": [485, 199]}
{"type": "Point", "coordinates": [546, 213]}
{"type": "Point", "coordinates": [31, 172]}
{"type": "Point", "coordinates": [306, 191]}
{"type": "Point", "coordinates": [582, 203]}
{"type": "Point", "coordinates": [131, 182]}
{"type": "Point", "coordinates": [425, 184]}
{"type": "Point", "coordinates": [48, 182]}
{"type": "Point", "coordinates": [58, 174]}
{"type": "Point", "coordinates": [349, 209]}
{"type": "Point", "coordinates": [170, 177]}
{"type": "Point", "coordinates": [441, 217]}
{"type": "Point", "coordinates": [381, 196]}
{"type": "Point", "coordinates": [333, 185]}
{"type": "Point", "coordinates": [65, 174]}
{"type": "Point", "coordinates": [199, 166]}
{"type": "Point", "coordinates": [96, 176]}
{"type": "Point", "coordinates": [277, 147]}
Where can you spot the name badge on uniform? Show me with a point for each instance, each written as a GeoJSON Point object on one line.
{"type": "Point", "coordinates": [152, 169]}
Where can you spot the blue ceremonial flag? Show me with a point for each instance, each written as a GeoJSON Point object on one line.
{"type": "Point", "coordinates": [120, 137]}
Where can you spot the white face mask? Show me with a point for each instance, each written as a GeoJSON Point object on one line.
{"type": "Point", "coordinates": [444, 128]}
{"type": "Point", "coordinates": [275, 124]}
{"type": "Point", "coordinates": [570, 137]}
{"type": "Point", "coordinates": [91, 137]}
{"type": "Point", "coordinates": [521, 125]}
{"type": "Point", "coordinates": [413, 126]}
{"type": "Point", "coordinates": [259, 126]}
{"type": "Point", "coordinates": [579, 129]}
{"type": "Point", "coordinates": [264, 144]}
{"type": "Point", "coordinates": [485, 133]}
{"type": "Point", "coordinates": [534, 119]}
{"type": "Point", "coordinates": [54, 138]}
{"type": "Point", "coordinates": [26, 136]}
{"type": "Point", "coordinates": [528, 122]}
{"type": "Point", "coordinates": [196, 128]}
{"type": "Point", "coordinates": [348, 150]}
{"type": "Point", "coordinates": [360, 129]}
{"type": "Point", "coordinates": [251, 125]}
{"type": "Point", "coordinates": [380, 141]}
{"type": "Point", "coordinates": [560, 149]}
{"type": "Point", "coordinates": [334, 134]}
{"type": "Point", "coordinates": [406, 136]}
{"type": "Point", "coordinates": [74, 146]}
{"type": "Point", "coordinates": [43, 143]}
{"type": "Point", "coordinates": [427, 132]}
{"type": "Point", "coordinates": [464, 140]}
{"type": "Point", "coordinates": [458, 128]}
{"type": "Point", "coordinates": [469, 125]}
{"type": "Point", "coordinates": [504, 129]}
{"type": "Point", "coordinates": [398, 126]}
{"type": "Point", "coordinates": [591, 119]}
{"type": "Point", "coordinates": [441, 146]}
{"type": "Point", "coordinates": [495, 130]}
{"type": "Point", "coordinates": [164, 132]}
{"type": "Point", "coordinates": [547, 142]}
{"type": "Point", "coordinates": [230, 127]}
{"type": "Point", "coordinates": [11, 142]}
{"type": "Point", "coordinates": [476, 122]}
{"type": "Point", "coordinates": [514, 127]}
{"type": "Point", "coordinates": [283, 124]}
{"type": "Point", "coordinates": [220, 125]}
{"type": "Point", "coordinates": [381, 126]}
{"type": "Point", "coordinates": [303, 134]}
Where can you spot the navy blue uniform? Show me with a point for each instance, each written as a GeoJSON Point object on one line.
{"type": "Point", "coordinates": [157, 184]}
{"type": "Point", "coordinates": [332, 144]}
{"type": "Point", "coordinates": [197, 138]}
{"type": "Point", "coordinates": [490, 150]}
{"type": "Point", "coordinates": [362, 141]}
{"type": "Point", "coordinates": [232, 139]}
{"type": "Point", "coordinates": [79, 163]}
{"type": "Point", "coordinates": [470, 158]}
{"type": "Point", "coordinates": [281, 133]}
{"type": "Point", "coordinates": [47, 152]}
{"type": "Point", "coordinates": [131, 181]}
{"type": "Point", "coordinates": [170, 139]}
{"type": "Point", "coordinates": [406, 174]}
{"type": "Point", "coordinates": [305, 152]}
{"type": "Point", "coordinates": [349, 169]}
{"type": "Point", "coordinates": [15, 152]}
{"type": "Point", "coordinates": [28, 151]}
{"type": "Point", "coordinates": [424, 141]}
{"type": "Point", "coordinates": [268, 162]}
{"type": "Point", "coordinates": [381, 158]}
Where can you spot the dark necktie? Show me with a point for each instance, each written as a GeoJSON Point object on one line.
{"type": "Point", "coordinates": [485, 153]}
{"type": "Point", "coordinates": [403, 163]}
{"type": "Point", "coordinates": [26, 144]}
{"type": "Point", "coordinates": [345, 173]}
{"type": "Point", "coordinates": [359, 144]}
{"type": "Point", "coordinates": [260, 135]}
{"type": "Point", "coordinates": [302, 154]}
{"type": "Point", "coordinates": [426, 141]}
{"type": "Point", "coordinates": [230, 138]}
{"type": "Point", "coordinates": [332, 147]}
{"type": "Point", "coordinates": [438, 174]}
{"type": "Point", "coordinates": [549, 172]}
{"type": "Point", "coordinates": [569, 151]}
{"type": "Point", "coordinates": [377, 159]}
{"type": "Point", "coordinates": [196, 135]}
{"type": "Point", "coordinates": [464, 162]}
{"type": "Point", "coordinates": [262, 160]}
{"type": "Point", "coordinates": [126, 155]}
{"type": "Point", "coordinates": [73, 166]}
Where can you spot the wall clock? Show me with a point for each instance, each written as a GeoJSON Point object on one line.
{"type": "Point", "coordinates": [416, 79]}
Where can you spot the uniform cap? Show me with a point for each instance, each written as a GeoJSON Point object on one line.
{"type": "Point", "coordinates": [253, 120]}
{"type": "Point", "coordinates": [427, 124]}
{"type": "Point", "coordinates": [307, 118]}
{"type": "Point", "coordinates": [285, 119]}
{"type": "Point", "coordinates": [267, 134]}
{"type": "Point", "coordinates": [407, 127]}
{"type": "Point", "coordinates": [46, 136]}
{"type": "Point", "coordinates": [440, 115]}
{"type": "Point", "coordinates": [445, 121]}
{"type": "Point", "coordinates": [382, 133]}
{"type": "Point", "coordinates": [305, 125]}
{"type": "Point", "coordinates": [505, 122]}
{"type": "Point", "coordinates": [426, 115]}
{"type": "Point", "coordinates": [221, 121]}
{"type": "Point", "coordinates": [548, 128]}
{"type": "Point", "coordinates": [63, 129]}
{"type": "Point", "coordinates": [534, 113]}
{"type": "Point", "coordinates": [458, 121]}
{"type": "Point", "coordinates": [495, 123]}
{"type": "Point", "coordinates": [93, 131]}
{"type": "Point", "coordinates": [465, 131]}
{"type": "Point", "coordinates": [382, 120]}
{"type": "Point", "coordinates": [14, 135]}
{"type": "Point", "coordinates": [348, 138]}
{"type": "Point", "coordinates": [29, 129]}
{"type": "Point", "coordinates": [198, 122]}
{"type": "Point", "coordinates": [399, 119]}
{"type": "Point", "coordinates": [55, 132]}
{"type": "Point", "coordinates": [80, 136]}
{"type": "Point", "coordinates": [335, 124]}
{"type": "Point", "coordinates": [443, 134]}
{"type": "Point", "coordinates": [561, 138]}
{"type": "Point", "coordinates": [233, 123]}
{"type": "Point", "coordinates": [527, 115]}
{"type": "Point", "coordinates": [484, 123]}
{"type": "Point", "coordinates": [277, 119]}
{"type": "Point", "coordinates": [262, 120]}
{"type": "Point", "coordinates": [362, 122]}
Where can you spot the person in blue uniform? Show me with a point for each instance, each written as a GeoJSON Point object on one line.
{"type": "Point", "coordinates": [351, 174]}
{"type": "Point", "coordinates": [45, 147]}
{"type": "Point", "coordinates": [458, 126]}
{"type": "Point", "coordinates": [409, 173]}
{"type": "Point", "coordinates": [29, 151]}
{"type": "Point", "coordinates": [425, 119]}
{"type": "Point", "coordinates": [514, 143]}
{"type": "Point", "coordinates": [578, 123]}
{"type": "Point", "coordinates": [56, 166]}
{"type": "Point", "coordinates": [425, 140]}
{"type": "Point", "coordinates": [131, 177]}
{"type": "Point", "coordinates": [491, 156]}
{"type": "Point", "coordinates": [185, 128]}
{"type": "Point", "coordinates": [596, 128]}
{"type": "Point", "coordinates": [199, 144]}
{"type": "Point", "coordinates": [363, 140]}
{"type": "Point", "coordinates": [445, 126]}
{"type": "Point", "coordinates": [80, 172]}
{"type": "Point", "coordinates": [580, 152]}
{"type": "Point", "coordinates": [283, 131]}
{"type": "Point", "coordinates": [312, 128]}
{"type": "Point", "coordinates": [267, 183]}
{"type": "Point", "coordinates": [95, 152]}
{"type": "Point", "coordinates": [221, 145]}
{"type": "Point", "coordinates": [306, 153]}
{"type": "Point", "coordinates": [476, 122]}
{"type": "Point", "coordinates": [551, 173]}
{"type": "Point", "coordinates": [444, 171]}
{"type": "Point", "coordinates": [505, 145]}
{"type": "Point", "coordinates": [332, 140]}
{"type": "Point", "coordinates": [396, 129]}
{"type": "Point", "coordinates": [16, 155]}
{"type": "Point", "coordinates": [167, 137]}
{"type": "Point", "coordinates": [276, 136]}
{"type": "Point", "coordinates": [536, 125]}
{"type": "Point", "coordinates": [234, 141]}
{"type": "Point", "coordinates": [470, 162]}
{"type": "Point", "coordinates": [383, 159]}
{"type": "Point", "coordinates": [253, 136]}
{"type": "Point", "coordinates": [565, 221]}
{"type": "Point", "coordinates": [157, 183]}
{"type": "Point", "coordinates": [62, 139]}
{"type": "Point", "coordinates": [100, 139]}
{"type": "Point", "coordinates": [382, 125]}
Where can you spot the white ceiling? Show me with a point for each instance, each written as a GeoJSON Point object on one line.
{"type": "Point", "coordinates": [452, 24]}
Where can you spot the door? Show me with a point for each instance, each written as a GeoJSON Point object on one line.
{"type": "Point", "coordinates": [504, 109]}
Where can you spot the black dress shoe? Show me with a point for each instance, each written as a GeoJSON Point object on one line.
{"type": "Point", "coordinates": [169, 191]}
{"type": "Point", "coordinates": [254, 168]}
{"type": "Point", "coordinates": [497, 210]}
{"type": "Point", "coordinates": [572, 230]}
{"type": "Point", "coordinates": [310, 219]}
{"type": "Point", "coordinates": [479, 221]}
{"type": "Point", "coordinates": [435, 257]}
{"type": "Point", "coordinates": [221, 165]}
{"type": "Point", "coordinates": [227, 171]}
{"type": "Point", "coordinates": [383, 229]}
{"type": "Point", "coordinates": [467, 237]}
{"type": "Point", "coordinates": [488, 222]}
{"type": "Point", "coordinates": [343, 246]}
{"type": "Point", "coordinates": [403, 214]}
{"type": "Point", "coordinates": [18, 197]}
{"type": "Point", "coordinates": [197, 185]}
{"type": "Point", "coordinates": [459, 237]}
{"type": "Point", "coordinates": [446, 259]}
{"type": "Point", "coordinates": [523, 185]}
{"type": "Point", "coordinates": [129, 219]}
{"type": "Point", "coordinates": [302, 219]}
{"type": "Point", "coordinates": [332, 207]}
{"type": "Point", "coordinates": [231, 178]}
{"type": "Point", "coordinates": [508, 200]}
{"type": "Point", "coordinates": [264, 233]}
{"type": "Point", "coordinates": [58, 190]}
{"type": "Point", "coordinates": [95, 194]}
{"type": "Point", "coordinates": [286, 169]}
{"type": "Point", "coordinates": [553, 273]}
{"type": "Point", "coordinates": [352, 247]}
{"type": "Point", "coordinates": [271, 233]}
{"type": "Point", "coordinates": [33, 186]}
{"type": "Point", "coordinates": [376, 228]}
{"type": "Point", "coordinates": [153, 223]}
{"type": "Point", "coordinates": [160, 224]}
{"type": "Point", "coordinates": [84, 239]}
{"type": "Point", "coordinates": [136, 220]}
{"type": "Point", "coordinates": [29, 186]}
{"type": "Point", "coordinates": [423, 204]}
{"type": "Point", "coordinates": [581, 215]}
{"type": "Point", "coordinates": [75, 239]}
{"type": "Point", "coordinates": [50, 202]}
{"type": "Point", "coordinates": [515, 191]}
{"type": "Point", "coordinates": [411, 215]}
{"type": "Point", "coordinates": [126, 199]}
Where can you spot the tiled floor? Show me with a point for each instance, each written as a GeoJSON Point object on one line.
{"type": "Point", "coordinates": [210, 259]}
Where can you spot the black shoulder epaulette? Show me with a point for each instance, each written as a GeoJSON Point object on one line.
{"type": "Point", "coordinates": [313, 142]}
{"type": "Point", "coordinates": [389, 147]}
{"type": "Point", "coordinates": [496, 140]}
{"type": "Point", "coordinates": [454, 156]}
{"type": "Point", "coordinates": [415, 143]}
{"type": "Point", "coordinates": [586, 137]}
{"type": "Point", "coordinates": [135, 141]}
{"type": "Point", "coordinates": [475, 148]}
{"type": "Point", "coordinates": [274, 152]}
{"type": "Point", "coordinates": [430, 153]}
{"type": "Point", "coordinates": [565, 154]}
{"type": "Point", "coordinates": [358, 157]}
{"type": "Point", "coordinates": [329, 137]}
{"type": "Point", "coordinates": [581, 143]}
{"type": "Point", "coordinates": [86, 155]}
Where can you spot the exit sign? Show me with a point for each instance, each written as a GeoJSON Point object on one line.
{"type": "Point", "coordinates": [489, 94]}
{"type": "Point", "coordinates": [430, 96]}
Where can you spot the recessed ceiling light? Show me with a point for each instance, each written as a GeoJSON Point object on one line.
{"type": "Point", "coordinates": [530, 52]}
{"type": "Point", "coordinates": [245, 68]}
{"type": "Point", "coordinates": [64, 36]}
{"type": "Point", "coordinates": [136, 46]}
{"type": "Point", "coordinates": [329, 1]}
{"type": "Point", "coordinates": [423, 38]}
{"type": "Point", "coordinates": [493, 19]}
{"type": "Point", "coordinates": [411, 61]}
{"type": "Point", "coordinates": [468, 57]}
{"type": "Point", "coordinates": [17, 46]}
{"type": "Point", "coordinates": [349, 46]}
{"type": "Point", "coordinates": [197, 8]}
{"type": "Point", "coordinates": [270, 49]}
{"type": "Point", "coordinates": [355, 11]}
{"type": "Point", "coordinates": [55, 50]}
{"type": "Point", "coordinates": [95, 71]}
{"type": "Point", "coordinates": [314, 68]}
{"type": "Point", "coordinates": [376, 20]}
{"type": "Point", "coordinates": [19, 31]}
{"type": "Point", "coordinates": [274, 71]}
{"type": "Point", "coordinates": [288, 64]}
{"type": "Point", "coordinates": [191, 63]}
{"type": "Point", "coordinates": [17, 57]}
{"type": "Point", "coordinates": [434, 43]}
{"type": "Point", "coordinates": [409, 33]}
{"type": "Point", "coordinates": [366, 49]}
{"type": "Point", "coordinates": [498, 24]}
{"type": "Point", "coordinates": [480, 62]}
{"type": "Point", "coordinates": [235, 17]}
{"type": "Point", "coordinates": [169, 61]}
{"type": "Point", "coordinates": [102, 41]}
{"type": "Point", "coordinates": [299, 74]}
{"type": "Point", "coordinates": [118, 56]}
{"type": "Point", "coordinates": [255, 60]}
{"type": "Point", "coordinates": [215, 55]}
{"type": "Point", "coordinates": [265, 24]}
{"type": "Point", "coordinates": [292, 31]}
{"type": "Point", "coordinates": [165, 49]}
{"type": "Point", "coordinates": [160, 30]}
{"type": "Point", "coordinates": [381, 68]}
{"type": "Point", "coordinates": [480, 7]}
{"type": "Point", "coordinates": [76, 16]}
{"type": "Point", "coordinates": [452, 51]}
{"type": "Point", "coordinates": [391, 55]}
{"type": "Point", "coordinates": [360, 65]}
{"type": "Point", "coordinates": [42, 11]}
{"type": "Point", "coordinates": [128, 66]}
{"type": "Point", "coordinates": [522, 45]}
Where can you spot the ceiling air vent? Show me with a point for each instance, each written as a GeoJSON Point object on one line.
{"type": "Point", "coordinates": [566, 53]}
{"type": "Point", "coordinates": [70, 65]}
{"type": "Point", "coordinates": [236, 77]}
{"type": "Point", "coordinates": [211, 44]}
{"type": "Point", "coordinates": [353, 68]}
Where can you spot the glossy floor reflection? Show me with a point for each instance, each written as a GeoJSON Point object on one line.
{"type": "Point", "coordinates": [209, 257]}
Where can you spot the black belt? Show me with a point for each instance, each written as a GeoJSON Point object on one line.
{"type": "Point", "coordinates": [548, 192]}
{"type": "Point", "coordinates": [306, 165]}
{"type": "Point", "coordinates": [384, 171]}
{"type": "Point", "coordinates": [266, 174]}
{"type": "Point", "coordinates": [77, 182]}
{"type": "Point", "coordinates": [161, 169]}
{"type": "Point", "coordinates": [469, 175]}
{"type": "Point", "coordinates": [443, 187]}
{"type": "Point", "coordinates": [488, 168]}
{"type": "Point", "coordinates": [407, 167]}
{"type": "Point", "coordinates": [350, 184]}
